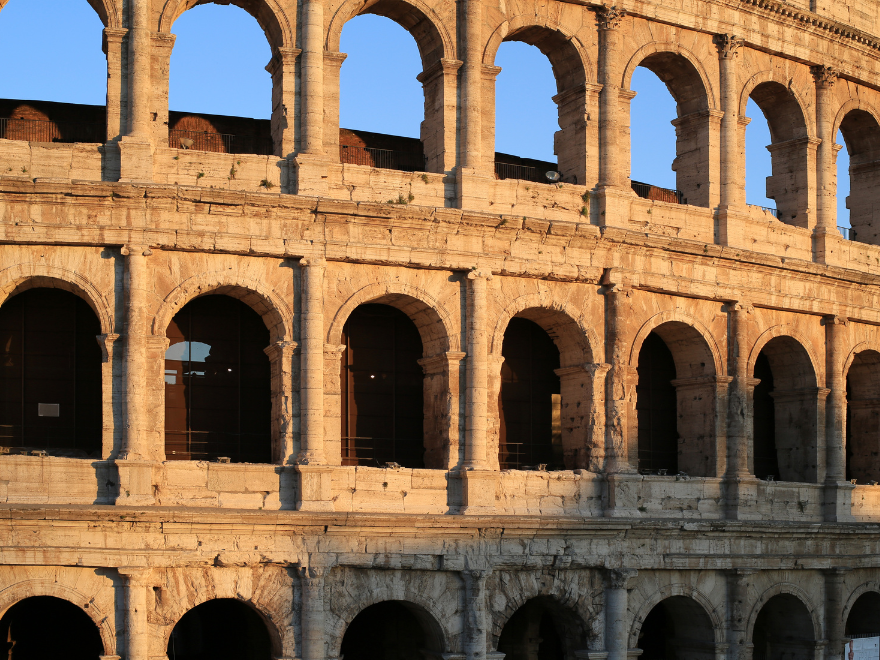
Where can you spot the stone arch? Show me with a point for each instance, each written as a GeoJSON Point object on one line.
{"type": "Point", "coordinates": [22, 277]}
{"type": "Point", "coordinates": [273, 627]}
{"type": "Point", "coordinates": [674, 334]}
{"type": "Point", "coordinates": [868, 587]}
{"type": "Point", "coordinates": [425, 610]}
{"type": "Point", "coordinates": [669, 591]}
{"type": "Point", "coordinates": [780, 589]}
{"type": "Point", "coordinates": [859, 124]}
{"type": "Point", "coordinates": [798, 96]}
{"type": "Point", "coordinates": [431, 34]}
{"type": "Point", "coordinates": [433, 321]}
{"type": "Point", "coordinates": [788, 331]}
{"type": "Point", "coordinates": [577, 342]}
{"type": "Point", "coordinates": [276, 313]}
{"type": "Point", "coordinates": [109, 11]}
{"type": "Point", "coordinates": [22, 590]}
{"type": "Point", "coordinates": [568, 56]}
{"type": "Point", "coordinates": [858, 348]}
{"type": "Point", "coordinates": [270, 14]}
{"type": "Point", "coordinates": [678, 64]}
{"type": "Point", "coordinates": [862, 381]}
{"type": "Point", "coordinates": [855, 104]}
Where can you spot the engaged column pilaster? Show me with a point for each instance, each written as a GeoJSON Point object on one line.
{"type": "Point", "coordinates": [826, 235]}
{"type": "Point", "coordinates": [838, 492]}
{"type": "Point", "coordinates": [136, 582]}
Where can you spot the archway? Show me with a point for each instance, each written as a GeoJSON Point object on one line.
{"type": "Point", "coordinates": [675, 402]}
{"type": "Point", "coordinates": [530, 402]}
{"type": "Point", "coordinates": [861, 135]}
{"type": "Point", "coordinates": [863, 417]}
{"type": "Point", "coordinates": [693, 159]}
{"type": "Point", "coordinates": [219, 93]}
{"type": "Point", "coordinates": [23, 631]}
{"type": "Point", "coordinates": [788, 184]}
{"type": "Point", "coordinates": [390, 630]}
{"type": "Point", "coordinates": [50, 378]}
{"type": "Point", "coordinates": [218, 400]}
{"type": "Point", "coordinates": [569, 142]}
{"type": "Point", "coordinates": [69, 66]}
{"type": "Point", "coordinates": [864, 617]}
{"type": "Point", "coordinates": [677, 628]}
{"type": "Point", "coordinates": [542, 629]}
{"type": "Point", "coordinates": [220, 629]}
{"type": "Point", "coordinates": [383, 419]}
{"type": "Point", "coordinates": [786, 413]}
{"type": "Point", "coordinates": [784, 630]}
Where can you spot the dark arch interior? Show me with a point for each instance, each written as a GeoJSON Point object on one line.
{"type": "Point", "coordinates": [382, 401]}
{"type": "Point", "coordinates": [864, 617]}
{"type": "Point", "coordinates": [530, 399]}
{"type": "Point", "coordinates": [764, 416]}
{"type": "Point", "coordinates": [221, 629]}
{"type": "Point", "coordinates": [677, 628]}
{"type": "Point", "coordinates": [218, 396]}
{"type": "Point", "coordinates": [784, 630]}
{"type": "Point", "coordinates": [74, 636]}
{"type": "Point", "coordinates": [863, 418]}
{"type": "Point", "coordinates": [390, 630]}
{"type": "Point", "coordinates": [657, 407]}
{"type": "Point", "coordinates": [542, 629]}
{"type": "Point", "coordinates": [50, 375]}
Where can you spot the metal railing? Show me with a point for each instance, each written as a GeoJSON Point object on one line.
{"type": "Point", "coordinates": [767, 209]}
{"type": "Point", "coordinates": [389, 159]}
{"type": "Point", "coordinates": [222, 143]}
{"type": "Point", "coordinates": [657, 194]}
{"type": "Point", "coordinates": [40, 130]}
{"type": "Point", "coordinates": [518, 171]}
{"type": "Point", "coordinates": [846, 232]}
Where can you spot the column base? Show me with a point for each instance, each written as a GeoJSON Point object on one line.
{"type": "Point", "coordinates": [473, 189]}
{"type": "Point", "coordinates": [838, 501]}
{"type": "Point", "coordinates": [741, 498]}
{"type": "Point", "coordinates": [615, 205]}
{"type": "Point", "coordinates": [135, 160]}
{"type": "Point", "coordinates": [478, 491]}
{"type": "Point", "coordinates": [309, 174]}
{"type": "Point", "coordinates": [136, 482]}
{"type": "Point", "coordinates": [315, 492]}
{"type": "Point", "coordinates": [622, 495]}
{"type": "Point", "coordinates": [829, 247]}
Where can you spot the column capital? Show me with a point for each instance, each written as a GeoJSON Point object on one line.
{"type": "Point", "coordinates": [136, 576]}
{"type": "Point", "coordinates": [476, 576]}
{"type": "Point", "coordinates": [728, 45]}
{"type": "Point", "coordinates": [834, 319]}
{"type": "Point", "coordinates": [825, 76]}
{"type": "Point", "coordinates": [479, 273]}
{"type": "Point", "coordinates": [739, 306]}
{"type": "Point", "coordinates": [278, 348]}
{"type": "Point", "coordinates": [609, 17]}
{"type": "Point", "coordinates": [620, 578]}
{"type": "Point", "coordinates": [835, 572]}
{"type": "Point", "coordinates": [136, 250]}
{"type": "Point", "coordinates": [741, 573]}
{"type": "Point", "coordinates": [314, 261]}
{"type": "Point", "coordinates": [313, 573]}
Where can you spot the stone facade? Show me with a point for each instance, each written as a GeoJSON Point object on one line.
{"type": "Point", "coordinates": [138, 230]}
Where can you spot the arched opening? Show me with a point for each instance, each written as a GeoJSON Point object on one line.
{"type": "Point", "coordinates": [380, 100]}
{"type": "Point", "coordinates": [383, 419]}
{"type": "Point", "coordinates": [50, 374]}
{"type": "Point", "coordinates": [58, 92]}
{"type": "Point", "coordinates": [786, 419]}
{"type": "Point", "coordinates": [861, 134]}
{"type": "Point", "coordinates": [521, 99]}
{"type": "Point", "coordinates": [74, 635]}
{"type": "Point", "coordinates": [790, 152]}
{"type": "Point", "coordinates": [218, 398]}
{"type": "Point", "coordinates": [784, 631]}
{"type": "Point", "coordinates": [389, 630]}
{"type": "Point", "coordinates": [530, 399]}
{"type": "Point", "coordinates": [842, 165]}
{"type": "Point", "coordinates": [676, 77]}
{"type": "Point", "coordinates": [864, 617]}
{"type": "Point", "coordinates": [219, 93]}
{"type": "Point", "coordinates": [677, 628]}
{"type": "Point", "coordinates": [759, 165]}
{"type": "Point", "coordinates": [220, 629]}
{"type": "Point", "coordinates": [863, 418]}
{"type": "Point", "coordinates": [542, 629]}
{"type": "Point", "coordinates": [675, 403]}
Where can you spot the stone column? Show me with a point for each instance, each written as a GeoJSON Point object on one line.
{"type": "Point", "coordinates": [732, 179]}
{"type": "Point", "coordinates": [314, 493]}
{"type": "Point", "coordinates": [332, 67]}
{"type": "Point", "coordinates": [478, 487]}
{"type": "Point", "coordinates": [117, 106]}
{"type": "Point", "coordinates": [838, 493]}
{"type": "Point", "coordinates": [834, 604]}
{"type": "Point", "coordinates": [476, 616]}
{"type": "Point", "coordinates": [284, 409]}
{"type": "Point", "coordinates": [440, 85]}
{"type": "Point", "coordinates": [617, 584]}
{"type": "Point", "coordinates": [312, 78]}
{"type": "Point", "coordinates": [111, 439]}
{"type": "Point", "coordinates": [472, 85]}
{"type": "Point", "coordinates": [282, 68]}
{"type": "Point", "coordinates": [826, 202]}
{"type": "Point", "coordinates": [135, 148]}
{"type": "Point", "coordinates": [312, 612]}
{"type": "Point", "coordinates": [136, 583]}
{"type": "Point", "coordinates": [617, 451]}
{"type": "Point", "coordinates": [738, 607]}
{"type": "Point", "coordinates": [610, 167]}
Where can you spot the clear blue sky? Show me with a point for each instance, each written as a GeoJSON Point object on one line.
{"type": "Point", "coordinates": [218, 66]}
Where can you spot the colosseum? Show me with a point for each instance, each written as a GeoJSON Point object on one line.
{"type": "Point", "coordinates": [465, 410]}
